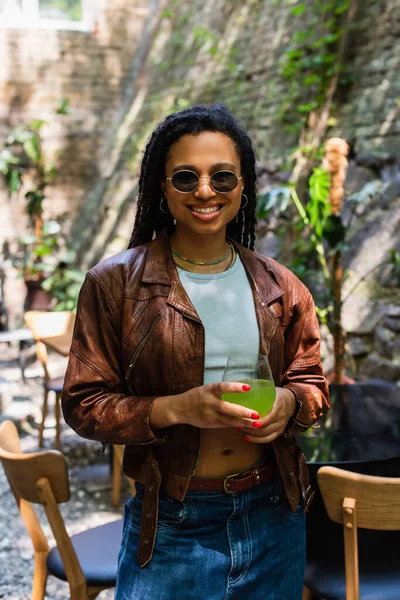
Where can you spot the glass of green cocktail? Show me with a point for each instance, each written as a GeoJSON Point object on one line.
{"type": "Point", "coordinates": [256, 372]}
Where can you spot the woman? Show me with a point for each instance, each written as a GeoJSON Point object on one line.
{"type": "Point", "coordinates": [221, 492]}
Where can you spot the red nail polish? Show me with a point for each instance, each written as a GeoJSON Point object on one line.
{"type": "Point", "coordinates": [246, 387]}
{"type": "Point", "coordinates": [254, 415]}
{"type": "Point", "coordinates": [240, 428]}
{"type": "Point", "coordinates": [257, 424]}
{"type": "Point", "coordinates": [247, 438]}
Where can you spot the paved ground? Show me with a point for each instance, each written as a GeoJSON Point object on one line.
{"type": "Point", "coordinates": [90, 480]}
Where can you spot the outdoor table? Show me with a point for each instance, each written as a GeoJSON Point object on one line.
{"type": "Point", "coordinates": [350, 448]}
{"type": "Point", "coordinates": [21, 336]}
{"type": "Point", "coordinates": [353, 451]}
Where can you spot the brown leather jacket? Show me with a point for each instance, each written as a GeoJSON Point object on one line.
{"type": "Point", "coordinates": [137, 336]}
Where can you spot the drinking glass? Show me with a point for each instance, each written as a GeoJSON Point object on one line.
{"type": "Point", "coordinates": [257, 374]}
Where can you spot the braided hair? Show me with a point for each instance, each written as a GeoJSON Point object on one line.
{"type": "Point", "coordinates": [150, 220]}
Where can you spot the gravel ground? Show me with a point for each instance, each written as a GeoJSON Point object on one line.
{"type": "Point", "coordinates": [90, 481]}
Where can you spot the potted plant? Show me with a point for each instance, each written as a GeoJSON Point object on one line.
{"type": "Point", "coordinates": [26, 170]}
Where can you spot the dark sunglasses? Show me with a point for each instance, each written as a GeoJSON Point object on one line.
{"type": "Point", "coordinates": [187, 181]}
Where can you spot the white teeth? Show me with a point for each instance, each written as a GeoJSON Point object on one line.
{"type": "Point", "coordinates": [205, 211]}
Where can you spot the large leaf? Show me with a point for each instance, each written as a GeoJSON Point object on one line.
{"type": "Point", "coordinates": [32, 148]}
{"type": "Point", "coordinates": [369, 191]}
{"type": "Point", "coordinates": [334, 231]}
{"type": "Point", "coordinates": [51, 227]}
{"type": "Point", "coordinates": [14, 180]}
{"type": "Point", "coordinates": [298, 10]}
{"type": "Point", "coordinates": [318, 207]}
{"type": "Point", "coordinates": [34, 206]}
{"type": "Point", "coordinates": [42, 250]}
{"type": "Point", "coordinates": [19, 135]}
{"type": "Point", "coordinates": [63, 108]}
{"type": "Point", "coordinates": [7, 159]}
{"type": "Point", "coordinates": [37, 124]}
{"type": "Point", "coordinates": [26, 240]}
{"type": "Point", "coordinates": [270, 199]}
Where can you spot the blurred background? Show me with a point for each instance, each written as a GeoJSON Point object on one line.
{"type": "Point", "coordinates": [316, 84]}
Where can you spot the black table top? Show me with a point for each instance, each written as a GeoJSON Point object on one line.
{"type": "Point", "coordinates": [326, 446]}
{"type": "Point", "coordinates": [362, 426]}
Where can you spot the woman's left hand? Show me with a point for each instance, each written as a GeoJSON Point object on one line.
{"type": "Point", "coordinates": [275, 421]}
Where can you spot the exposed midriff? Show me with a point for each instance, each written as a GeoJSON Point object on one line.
{"type": "Point", "coordinates": [224, 452]}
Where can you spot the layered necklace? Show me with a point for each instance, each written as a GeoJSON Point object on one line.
{"type": "Point", "coordinates": [231, 251]}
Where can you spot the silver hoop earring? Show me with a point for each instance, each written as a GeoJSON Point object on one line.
{"type": "Point", "coordinates": [166, 212]}
{"type": "Point", "coordinates": [246, 203]}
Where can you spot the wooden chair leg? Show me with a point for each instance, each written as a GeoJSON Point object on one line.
{"type": "Point", "coordinates": [39, 576]}
{"type": "Point", "coordinates": [94, 592]}
{"type": "Point", "coordinates": [58, 422]}
{"type": "Point", "coordinates": [307, 594]}
{"type": "Point", "coordinates": [116, 480]}
{"type": "Point", "coordinates": [78, 593]}
{"type": "Point", "coordinates": [44, 415]}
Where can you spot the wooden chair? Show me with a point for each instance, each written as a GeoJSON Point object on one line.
{"type": "Point", "coordinates": [57, 326]}
{"type": "Point", "coordinates": [368, 507]}
{"type": "Point", "coordinates": [118, 455]}
{"type": "Point", "coordinates": [88, 560]}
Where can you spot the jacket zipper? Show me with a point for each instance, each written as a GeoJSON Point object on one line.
{"type": "Point", "coordinates": [196, 320]}
{"type": "Point", "coordinates": [275, 345]}
{"type": "Point", "coordinates": [142, 344]}
{"type": "Point", "coordinates": [134, 357]}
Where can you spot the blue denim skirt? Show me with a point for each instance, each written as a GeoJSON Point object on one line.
{"type": "Point", "coordinates": [214, 546]}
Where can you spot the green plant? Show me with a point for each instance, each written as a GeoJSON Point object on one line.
{"type": "Point", "coordinates": [64, 284]}
{"type": "Point", "coordinates": [37, 256]}
{"type": "Point", "coordinates": [25, 168]}
{"type": "Point", "coordinates": [310, 222]}
{"type": "Point", "coordinates": [319, 239]}
{"type": "Point", "coordinates": [312, 59]}
{"type": "Point", "coordinates": [40, 255]}
{"type": "Point", "coordinates": [394, 261]}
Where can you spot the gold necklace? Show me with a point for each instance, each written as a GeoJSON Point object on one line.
{"type": "Point", "coordinates": [230, 264]}
{"type": "Point", "coordinates": [201, 262]}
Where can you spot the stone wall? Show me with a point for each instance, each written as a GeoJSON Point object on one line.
{"type": "Point", "coordinates": [215, 50]}
{"type": "Point", "coordinates": [148, 58]}
{"type": "Point", "coordinates": [92, 69]}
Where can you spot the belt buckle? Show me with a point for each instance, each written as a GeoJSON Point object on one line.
{"type": "Point", "coordinates": [256, 476]}
{"type": "Point", "coordinates": [227, 484]}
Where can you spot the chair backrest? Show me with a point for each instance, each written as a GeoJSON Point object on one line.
{"type": "Point", "coordinates": [42, 478]}
{"type": "Point", "coordinates": [48, 323]}
{"type": "Point", "coordinates": [356, 500]}
{"type": "Point", "coordinates": [45, 324]}
{"type": "Point", "coordinates": [24, 470]}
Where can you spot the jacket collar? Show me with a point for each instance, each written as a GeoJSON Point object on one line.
{"type": "Point", "coordinates": [264, 286]}
{"type": "Point", "coordinates": [158, 259]}
{"type": "Point", "coordinates": [160, 269]}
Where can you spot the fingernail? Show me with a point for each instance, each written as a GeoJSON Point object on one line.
{"type": "Point", "coordinates": [240, 428]}
{"type": "Point", "coordinates": [246, 387]}
{"type": "Point", "coordinates": [247, 438]}
{"type": "Point", "coordinates": [257, 424]}
{"type": "Point", "coordinates": [254, 415]}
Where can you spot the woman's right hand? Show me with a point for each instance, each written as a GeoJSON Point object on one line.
{"type": "Point", "coordinates": [203, 407]}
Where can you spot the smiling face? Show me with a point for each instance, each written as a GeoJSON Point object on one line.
{"type": "Point", "coordinates": [203, 210]}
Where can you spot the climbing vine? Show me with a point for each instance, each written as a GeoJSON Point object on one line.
{"type": "Point", "coordinates": [311, 59]}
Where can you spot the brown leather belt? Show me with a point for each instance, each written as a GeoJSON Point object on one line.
{"type": "Point", "coordinates": [237, 482]}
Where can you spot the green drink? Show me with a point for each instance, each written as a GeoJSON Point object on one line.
{"type": "Point", "coordinates": [260, 397]}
